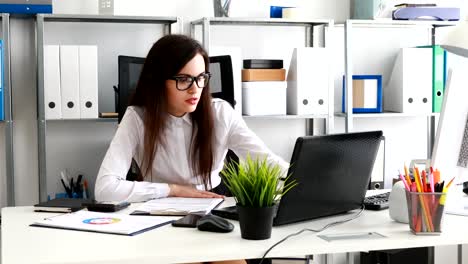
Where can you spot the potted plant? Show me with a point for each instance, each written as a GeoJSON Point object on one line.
{"type": "Point", "coordinates": [256, 186]}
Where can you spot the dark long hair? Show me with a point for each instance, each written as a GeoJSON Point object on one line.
{"type": "Point", "coordinates": [165, 59]}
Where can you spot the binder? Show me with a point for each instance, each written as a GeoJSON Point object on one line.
{"type": "Point", "coordinates": [88, 62]}
{"type": "Point", "coordinates": [26, 6]}
{"type": "Point", "coordinates": [108, 223]}
{"type": "Point", "coordinates": [409, 89]}
{"type": "Point", "coordinates": [308, 81]}
{"type": "Point", "coordinates": [69, 81]}
{"type": "Point", "coordinates": [438, 77]}
{"type": "Point", "coordinates": [2, 93]}
{"type": "Point", "coordinates": [52, 95]}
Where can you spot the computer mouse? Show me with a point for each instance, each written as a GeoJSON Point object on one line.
{"type": "Point", "coordinates": [213, 223]}
{"type": "Point", "coordinates": [465, 187]}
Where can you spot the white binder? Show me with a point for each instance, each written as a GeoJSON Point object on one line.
{"type": "Point", "coordinates": [88, 81]}
{"type": "Point", "coordinates": [52, 96]}
{"type": "Point", "coordinates": [70, 81]}
{"type": "Point", "coordinates": [308, 81]}
{"type": "Point", "coordinates": [409, 89]}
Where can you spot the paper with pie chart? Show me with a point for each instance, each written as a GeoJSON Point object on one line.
{"type": "Point", "coordinates": [104, 222]}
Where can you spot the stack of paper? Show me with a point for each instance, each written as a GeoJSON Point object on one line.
{"type": "Point", "coordinates": [178, 206]}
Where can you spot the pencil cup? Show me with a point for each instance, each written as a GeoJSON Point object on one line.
{"type": "Point", "coordinates": [425, 212]}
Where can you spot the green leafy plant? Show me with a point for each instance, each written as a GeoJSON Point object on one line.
{"type": "Point", "coordinates": [255, 183]}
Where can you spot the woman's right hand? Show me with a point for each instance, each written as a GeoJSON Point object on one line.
{"type": "Point", "coordinates": [188, 191]}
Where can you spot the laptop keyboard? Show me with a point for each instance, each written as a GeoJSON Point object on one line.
{"type": "Point", "coordinates": [377, 202]}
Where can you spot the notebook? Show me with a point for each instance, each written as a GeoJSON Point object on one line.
{"type": "Point", "coordinates": [177, 206]}
{"type": "Point", "coordinates": [332, 172]}
{"type": "Point", "coordinates": [64, 205]}
{"type": "Point", "coordinates": [111, 223]}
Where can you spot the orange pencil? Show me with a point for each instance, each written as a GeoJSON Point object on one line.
{"type": "Point", "coordinates": [424, 181]}
{"type": "Point", "coordinates": [407, 175]}
{"type": "Point", "coordinates": [436, 176]}
{"type": "Point", "coordinates": [450, 182]}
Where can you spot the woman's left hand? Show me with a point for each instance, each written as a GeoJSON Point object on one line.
{"type": "Point", "coordinates": [188, 191]}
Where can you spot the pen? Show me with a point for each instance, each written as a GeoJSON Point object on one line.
{"type": "Point", "coordinates": [78, 188]}
{"type": "Point", "coordinates": [64, 179]}
{"type": "Point", "coordinates": [71, 187]}
{"type": "Point", "coordinates": [85, 183]}
{"type": "Point", "coordinates": [67, 190]}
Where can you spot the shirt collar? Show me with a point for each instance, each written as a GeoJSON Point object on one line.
{"type": "Point", "coordinates": [185, 118]}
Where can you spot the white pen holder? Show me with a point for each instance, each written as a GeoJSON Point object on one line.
{"type": "Point", "coordinates": [398, 208]}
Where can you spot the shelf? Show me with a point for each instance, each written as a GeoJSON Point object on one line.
{"type": "Point", "coordinates": [386, 114]}
{"type": "Point", "coordinates": [389, 22]}
{"type": "Point", "coordinates": [110, 19]}
{"type": "Point", "coordinates": [104, 120]}
{"type": "Point", "coordinates": [284, 116]}
{"type": "Point", "coordinates": [261, 21]}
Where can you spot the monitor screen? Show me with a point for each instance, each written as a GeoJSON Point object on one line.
{"type": "Point", "coordinates": [222, 78]}
{"type": "Point", "coordinates": [450, 154]}
{"type": "Point", "coordinates": [215, 81]}
{"type": "Point", "coordinates": [129, 73]}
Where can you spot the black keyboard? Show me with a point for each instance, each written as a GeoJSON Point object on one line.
{"type": "Point", "coordinates": [377, 202]}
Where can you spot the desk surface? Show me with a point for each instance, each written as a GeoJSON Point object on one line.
{"type": "Point", "coordinates": [24, 244]}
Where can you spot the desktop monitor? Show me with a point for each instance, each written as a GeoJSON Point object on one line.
{"type": "Point", "coordinates": [129, 73]}
{"type": "Point", "coordinates": [450, 152]}
{"type": "Point", "coordinates": [222, 78]}
{"type": "Point", "coordinates": [221, 82]}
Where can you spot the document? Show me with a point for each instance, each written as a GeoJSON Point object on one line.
{"type": "Point", "coordinates": [110, 223]}
{"type": "Point", "coordinates": [177, 206]}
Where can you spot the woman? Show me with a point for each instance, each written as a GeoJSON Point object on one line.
{"type": "Point", "coordinates": [174, 130]}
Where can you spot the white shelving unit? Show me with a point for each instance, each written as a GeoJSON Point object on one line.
{"type": "Point", "coordinates": [166, 22]}
{"type": "Point", "coordinates": [207, 23]}
{"type": "Point", "coordinates": [349, 27]}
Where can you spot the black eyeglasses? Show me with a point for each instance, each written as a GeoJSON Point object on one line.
{"type": "Point", "coordinates": [184, 81]}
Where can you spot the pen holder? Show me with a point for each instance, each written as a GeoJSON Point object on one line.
{"type": "Point", "coordinates": [425, 212]}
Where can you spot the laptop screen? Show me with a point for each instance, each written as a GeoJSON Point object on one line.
{"type": "Point", "coordinates": [332, 172]}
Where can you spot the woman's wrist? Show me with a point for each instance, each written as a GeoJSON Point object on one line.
{"type": "Point", "coordinates": [172, 189]}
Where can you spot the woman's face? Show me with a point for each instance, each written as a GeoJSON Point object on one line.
{"type": "Point", "coordinates": [181, 102]}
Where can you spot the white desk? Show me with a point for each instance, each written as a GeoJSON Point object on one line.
{"type": "Point", "coordinates": [24, 244]}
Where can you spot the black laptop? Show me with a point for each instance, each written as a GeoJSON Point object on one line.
{"type": "Point", "coordinates": [332, 171]}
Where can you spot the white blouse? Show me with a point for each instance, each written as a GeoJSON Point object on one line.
{"type": "Point", "coordinates": [172, 163]}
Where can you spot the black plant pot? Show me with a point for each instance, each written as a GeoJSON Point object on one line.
{"type": "Point", "coordinates": [256, 222]}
